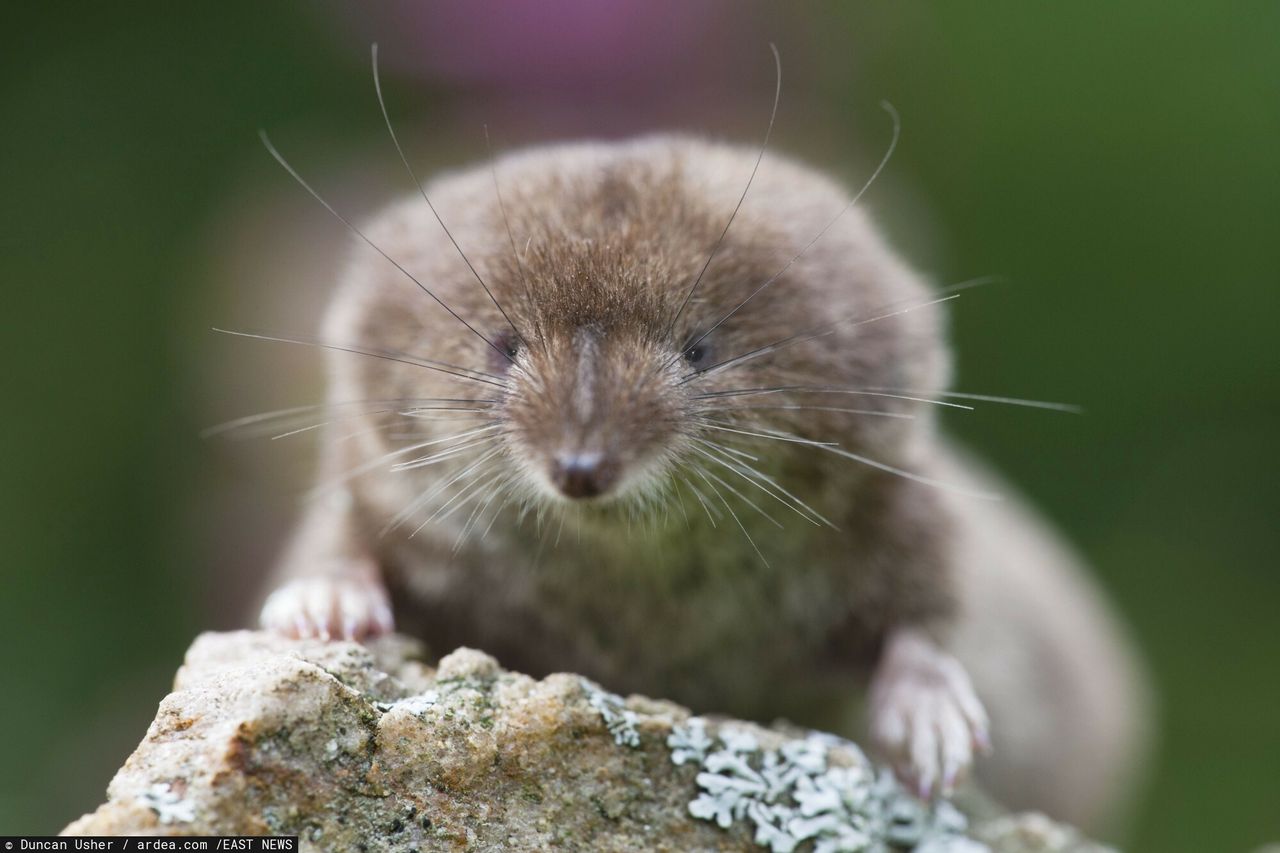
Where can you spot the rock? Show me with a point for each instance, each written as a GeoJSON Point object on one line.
{"type": "Point", "coordinates": [1033, 833]}
{"type": "Point", "coordinates": [369, 748]}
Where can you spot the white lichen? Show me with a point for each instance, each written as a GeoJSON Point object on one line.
{"type": "Point", "coordinates": [413, 704]}
{"type": "Point", "coordinates": [168, 805]}
{"type": "Point", "coordinates": [690, 741]}
{"type": "Point", "coordinates": [793, 796]}
{"type": "Point", "coordinates": [620, 722]}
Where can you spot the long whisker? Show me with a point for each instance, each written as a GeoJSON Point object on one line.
{"type": "Point", "coordinates": [471, 518]}
{"type": "Point", "coordinates": [825, 389]}
{"type": "Point", "coordinates": [293, 412]}
{"type": "Point", "coordinates": [798, 408]}
{"type": "Point", "coordinates": [463, 497]}
{"type": "Point", "coordinates": [943, 295]}
{"type": "Point", "coordinates": [386, 355]}
{"type": "Point", "coordinates": [735, 451]}
{"type": "Point", "coordinates": [417, 411]}
{"type": "Point", "coordinates": [560, 530]}
{"type": "Point", "coordinates": [422, 500]}
{"type": "Point", "coordinates": [744, 498]}
{"type": "Point", "coordinates": [511, 240]}
{"type": "Point", "coordinates": [777, 96]}
{"type": "Point", "coordinates": [701, 499]}
{"type": "Point", "coordinates": [310, 427]}
{"type": "Point", "coordinates": [449, 452]}
{"type": "Point", "coordinates": [386, 117]}
{"type": "Point", "coordinates": [320, 489]}
{"type": "Point", "coordinates": [352, 435]}
{"type": "Point", "coordinates": [498, 511]}
{"type": "Point", "coordinates": [458, 436]}
{"type": "Point", "coordinates": [466, 490]}
{"type": "Point", "coordinates": [477, 515]}
{"type": "Point", "coordinates": [322, 424]}
{"type": "Point", "coordinates": [816, 332]}
{"type": "Point", "coordinates": [883, 466]}
{"type": "Point", "coordinates": [444, 455]}
{"type": "Point", "coordinates": [763, 482]}
{"type": "Point", "coordinates": [800, 338]}
{"type": "Point", "coordinates": [910, 475]}
{"type": "Point", "coordinates": [411, 432]}
{"type": "Point", "coordinates": [279, 158]}
{"type": "Point", "coordinates": [675, 491]}
{"type": "Point", "coordinates": [1069, 408]}
{"type": "Point", "coordinates": [734, 515]}
{"type": "Point", "coordinates": [716, 426]}
{"type": "Point", "coordinates": [723, 450]}
{"type": "Point", "coordinates": [884, 161]}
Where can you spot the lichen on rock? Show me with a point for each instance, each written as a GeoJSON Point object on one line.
{"type": "Point", "coordinates": [816, 789]}
{"type": "Point", "coordinates": [354, 747]}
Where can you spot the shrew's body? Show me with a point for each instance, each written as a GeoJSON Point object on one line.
{"type": "Point", "coordinates": [719, 482]}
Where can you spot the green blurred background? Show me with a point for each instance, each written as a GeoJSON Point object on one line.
{"type": "Point", "coordinates": [1118, 165]}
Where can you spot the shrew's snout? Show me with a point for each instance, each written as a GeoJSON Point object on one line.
{"type": "Point", "coordinates": [592, 414]}
{"type": "Point", "coordinates": [583, 475]}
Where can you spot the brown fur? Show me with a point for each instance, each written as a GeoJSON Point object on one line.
{"type": "Point", "coordinates": [645, 592]}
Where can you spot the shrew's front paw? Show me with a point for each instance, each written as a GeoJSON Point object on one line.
{"type": "Point", "coordinates": [924, 714]}
{"type": "Point", "coordinates": [351, 608]}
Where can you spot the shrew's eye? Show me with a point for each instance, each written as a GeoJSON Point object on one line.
{"type": "Point", "coordinates": [506, 344]}
{"type": "Point", "coordinates": [697, 353]}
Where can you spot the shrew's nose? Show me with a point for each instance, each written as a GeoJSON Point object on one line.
{"type": "Point", "coordinates": [581, 475]}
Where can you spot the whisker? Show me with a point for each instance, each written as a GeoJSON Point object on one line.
{"type": "Point", "coordinates": [727, 449]}
{"type": "Point", "coordinates": [910, 475]}
{"type": "Point", "coordinates": [321, 425]}
{"type": "Point", "coordinates": [458, 501]}
{"type": "Point", "coordinates": [796, 439]}
{"type": "Point", "coordinates": [309, 427]}
{"type": "Point", "coordinates": [386, 355]}
{"type": "Point", "coordinates": [414, 436]}
{"type": "Point", "coordinates": [816, 333]}
{"type": "Point", "coordinates": [293, 412]}
{"type": "Point", "coordinates": [943, 295]}
{"type": "Point", "coordinates": [477, 515]}
{"type": "Point", "coordinates": [701, 499]}
{"type": "Point", "coordinates": [423, 412]}
{"type": "Point", "coordinates": [511, 240]}
{"type": "Point", "coordinates": [386, 117]}
{"type": "Point", "coordinates": [721, 449]}
{"type": "Point", "coordinates": [498, 511]}
{"type": "Point", "coordinates": [799, 408]}
{"type": "Point", "coordinates": [826, 389]}
{"type": "Point", "coordinates": [759, 479]}
{"type": "Point", "coordinates": [884, 161]}
{"type": "Point", "coordinates": [422, 500]}
{"type": "Point", "coordinates": [457, 436]}
{"type": "Point", "coordinates": [777, 96]}
{"type": "Point", "coordinates": [317, 491]}
{"type": "Point", "coordinates": [468, 489]}
{"type": "Point", "coordinates": [269, 427]}
{"type": "Point", "coordinates": [680, 503]}
{"type": "Point", "coordinates": [436, 458]}
{"type": "Point", "coordinates": [560, 530]}
{"type": "Point", "coordinates": [883, 466]}
{"type": "Point", "coordinates": [744, 499]}
{"type": "Point", "coordinates": [734, 515]}
{"type": "Point", "coordinates": [395, 437]}
{"type": "Point", "coordinates": [279, 158]}
{"type": "Point", "coordinates": [1069, 408]}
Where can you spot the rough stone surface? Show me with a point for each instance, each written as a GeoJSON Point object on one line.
{"type": "Point", "coordinates": [369, 748]}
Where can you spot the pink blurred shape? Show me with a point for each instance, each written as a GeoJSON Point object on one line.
{"type": "Point", "coordinates": [559, 46]}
